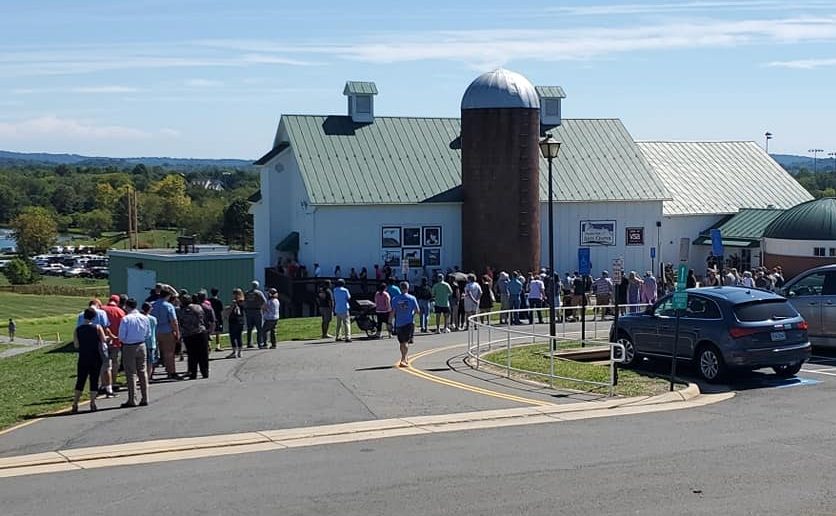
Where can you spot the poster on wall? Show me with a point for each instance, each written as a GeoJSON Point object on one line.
{"type": "Point", "coordinates": [634, 236]}
{"type": "Point", "coordinates": [597, 232]}
{"type": "Point", "coordinates": [391, 258]}
{"type": "Point", "coordinates": [432, 236]}
{"type": "Point", "coordinates": [432, 257]}
{"type": "Point", "coordinates": [412, 257]}
{"type": "Point", "coordinates": [390, 236]}
{"type": "Point", "coordinates": [412, 237]}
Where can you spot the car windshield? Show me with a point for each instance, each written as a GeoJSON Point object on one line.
{"type": "Point", "coordinates": [766, 310]}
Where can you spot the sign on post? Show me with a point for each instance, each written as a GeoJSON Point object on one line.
{"type": "Point", "coordinates": [584, 261]}
{"type": "Point", "coordinates": [716, 242]}
{"type": "Point", "coordinates": [617, 270]}
{"type": "Point", "coordinates": [652, 253]}
{"type": "Point", "coordinates": [684, 249]}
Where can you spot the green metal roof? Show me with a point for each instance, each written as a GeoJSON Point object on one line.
{"type": "Point", "coordinates": [814, 220]}
{"type": "Point", "coordinates": [397, 160]}
{"type": "Point", "coordinates": [360, 88]}
{"type": "Point", "coordinates": [550, 92]}
{"type": "Point", "coordinates": [743, 229]}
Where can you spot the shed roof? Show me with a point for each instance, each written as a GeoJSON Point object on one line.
{"type": "Point", "coordinates": [360, 88]}
{"type": "Point", "coordinates": [399, 160]}
{"type": "Point", "coordinates": [743, 229]}
{"type": "Point", "coordinates": [721, 177]}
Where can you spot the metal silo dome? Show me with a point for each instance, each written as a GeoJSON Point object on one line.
{"type": "Point", "coordinates": [500, 88]}
{"type": "Point", "coordinates": [812, 220]}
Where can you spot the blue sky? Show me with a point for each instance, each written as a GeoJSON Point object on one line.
{"type": "Point", "coordinates": [209, 78]}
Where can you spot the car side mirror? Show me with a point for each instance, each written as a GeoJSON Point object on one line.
{"type": "Point", "coordinates": [787, 293]}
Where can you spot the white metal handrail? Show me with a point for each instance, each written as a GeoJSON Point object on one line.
{"type": "Point", "coordinates": [509, 333]}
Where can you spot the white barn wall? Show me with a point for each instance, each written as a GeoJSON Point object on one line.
{"type": "Point", "coordinates": [687, 226]}
{"type": "Point", "coordinates": [568, 217]}
{"type": "Point", "coordinates": [350, 236]}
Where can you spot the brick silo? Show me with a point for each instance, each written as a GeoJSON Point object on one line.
{"type": "Point", "coordinates": [500, 173]}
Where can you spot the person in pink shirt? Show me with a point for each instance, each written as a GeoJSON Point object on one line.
{"type": "Point", "coordinates": [648, 291]}
{"type": "Point", "coordinates": [383, 309]}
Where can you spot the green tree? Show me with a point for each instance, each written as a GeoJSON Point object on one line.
{"type": "Point", "coordinates": [9, 203]}
{"type": "Point", "coordinates": [237, 225]}
{"type": "Point", "coordinates": [172, 189]}
{"type": "Point", "coordinates": [35, 231]}
{"type": "Point", "coordinates": [95, 222]}
{"type": "Point", "coordinates": [21, 271]}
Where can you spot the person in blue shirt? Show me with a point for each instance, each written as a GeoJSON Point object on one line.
{"type": "Point", "coordinates": [515, 288]}
{"type": "Point", "coordinates": [405, 307]}
{"type": "Point", "coordinates": [341, 310]}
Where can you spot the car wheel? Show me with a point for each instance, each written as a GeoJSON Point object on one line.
{"type": "Point", "coordinates": [710, 363]}
{"type": "Point", "coordinates": [787, 370]}
{"type": "Point", "coordinates": [630, 355]}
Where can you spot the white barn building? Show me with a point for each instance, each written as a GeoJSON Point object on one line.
{"type": "Point", "coordinates": [359, 189]}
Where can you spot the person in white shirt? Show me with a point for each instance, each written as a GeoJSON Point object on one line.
{"type": "Point", "coordinates": [472, 295]}
{"type": "Point", "coordinates": [133, 331]}
{"type": "Point", "coordinates": [270, 314]}
{"type": "Point", "coordinates": [536, 294]}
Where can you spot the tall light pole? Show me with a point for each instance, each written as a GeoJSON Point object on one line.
{"type": "Point", "coordinates": [833, 155]}
{"type": "Point", "coordinates": [815, 158]}
{"type": "Point", "coordinates": [549, 147]}
{"type": "Point", "coordinates": [767, 136]}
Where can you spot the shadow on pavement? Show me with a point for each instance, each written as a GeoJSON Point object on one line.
{"type": "Point", "coordinates": [67, 413]}
{"type": "Point", "coordinates": [375, 368]}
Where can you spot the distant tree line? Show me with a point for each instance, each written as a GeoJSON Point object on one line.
{"type": "Point", "coordinates": [39, 200]}
{"type": "Point", "coordinates": [819, 184]}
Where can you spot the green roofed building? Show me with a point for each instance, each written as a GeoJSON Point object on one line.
{"type": "Point", "coordinates": [357, 189]}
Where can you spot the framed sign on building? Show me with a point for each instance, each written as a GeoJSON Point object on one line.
{"type": "Point", "coordinates": [597, 232]}
{"type": "Point", "coordinates": [432, 236]}
{"type": "Point", "coordinates": [390, 236]}
{"type": "Point", "coordinates": [391, 257]}
{"type": "Point", "coordinates": [634, 236]}
{"type": "Point", "coordinates": [412, 257]}
{"type": "Point", "coordinates": [411, 237]}
{"type": "Point", "coordinates": [432, 257]}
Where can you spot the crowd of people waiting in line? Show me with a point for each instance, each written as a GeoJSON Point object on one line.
{"type": "Point", "coordinates": [168, 323]}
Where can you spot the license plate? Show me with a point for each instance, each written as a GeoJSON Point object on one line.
{"type": "Point", "coordinates": [779, 335]}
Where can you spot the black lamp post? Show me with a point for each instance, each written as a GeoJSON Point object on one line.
{"type": "Point", "coordinates": [815, 153]}
{"type": "Point", "coordinates": [767, 136]}
{"type": "Point", "coordinates": [549, 147]}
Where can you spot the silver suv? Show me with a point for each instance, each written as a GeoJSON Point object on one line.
{"type": "Point", "coordinates": [813, 294]}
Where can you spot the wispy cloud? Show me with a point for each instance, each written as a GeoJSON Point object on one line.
{"type": "Point", "coordinates": [68, 128]}
{"type": "Point", "coordinates": [203, 83]}
{"type": "Point", "coordinates": [104, 89]}
{"type": "Point", "coordinates": [495, 47]}
{"type": "Point", "coordinates": [683, 7]}
{"type": "Point", "coordinates": [803, 64]}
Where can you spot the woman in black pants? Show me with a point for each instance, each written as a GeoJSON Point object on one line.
{"type": "Point", "coordinates": [89, 340]}
{"type": "Point", "coordinates": [195, 337]}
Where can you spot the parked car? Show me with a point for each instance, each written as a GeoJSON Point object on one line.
{"type": "Point", "coordinates": [722, 329]}
{"type": "Point", "coordinates": [813, 294]}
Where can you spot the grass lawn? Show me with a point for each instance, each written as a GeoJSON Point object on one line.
{"type": "Point", "coordinates": [147, 239]}
{"type": "Point", "coordinates": [35, 383]}
{"type": "Point", "coordinates": [27, 306]}
{"type": "Point", "coordinates": [5, 347]}
{"type": "Point", "coordinates": [533, 358]}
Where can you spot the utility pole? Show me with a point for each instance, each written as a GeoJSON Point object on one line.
{"type": "Point", "coordinates": [815, 153]}
{"type": "Point", "coordinates": [130, 217]}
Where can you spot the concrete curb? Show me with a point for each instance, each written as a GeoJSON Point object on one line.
{"type": "Point", "coordinates": [271, 440]}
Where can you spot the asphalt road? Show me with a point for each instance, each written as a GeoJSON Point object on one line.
{"type": "Point", "coordinates": [769, 450]}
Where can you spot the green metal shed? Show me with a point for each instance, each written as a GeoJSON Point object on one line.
{"type": "Point", "coordinates": [136, 272]}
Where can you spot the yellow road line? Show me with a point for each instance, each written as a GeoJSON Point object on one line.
{"type": "Point", "coordinates": [458, 385]}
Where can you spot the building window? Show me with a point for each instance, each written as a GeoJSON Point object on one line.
{"type": "Point", "coordinates": [832, 251]}
{"type": "Point", "coordinates": [818, 251]}
{"type": "Point", "coordinates": [552, 107]}
{"type": "Point", "coordinates": [364, 104]}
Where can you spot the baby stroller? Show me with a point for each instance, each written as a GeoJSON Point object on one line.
{"type": "Point", "coordinates": [363, 313]}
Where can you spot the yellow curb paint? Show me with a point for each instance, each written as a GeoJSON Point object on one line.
{"type": "Point", "coordinates": [458, 385]}
{"type": "Point", "coordinates": [201, 453]}
{"type": "Point", "coordinates": [38, 470]}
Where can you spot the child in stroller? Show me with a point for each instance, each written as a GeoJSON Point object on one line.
{"type": "Point", "coordinates": [362, 312]}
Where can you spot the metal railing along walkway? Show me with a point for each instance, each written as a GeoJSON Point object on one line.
{"type": "Point", "coordinates": [493, 331]}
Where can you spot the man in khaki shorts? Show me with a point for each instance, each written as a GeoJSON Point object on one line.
{"type": "Point", "coordinates": [168, 331]}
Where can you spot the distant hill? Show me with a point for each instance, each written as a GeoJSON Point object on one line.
{"type": "Point", "coordinates": [793, 163]}
{"type": "Point", "coordinates": [184, 164]}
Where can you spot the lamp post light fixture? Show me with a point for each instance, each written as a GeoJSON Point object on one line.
{"type": "Point", "coordinates": [833, 155]}
{"type": "Point", "coordinates": [767, 136]}
{"type": "Point", "coordinates": [815, 153]}
{"type": "Point", "coordinates": [550, 147]}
